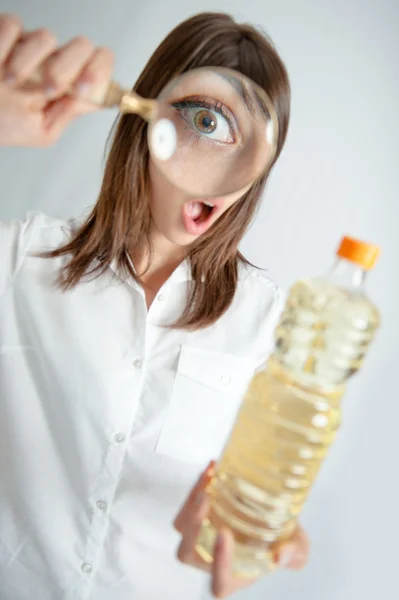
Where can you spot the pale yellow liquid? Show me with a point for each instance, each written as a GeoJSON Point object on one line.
{"type": "Point", "coordinates": [287, 422]}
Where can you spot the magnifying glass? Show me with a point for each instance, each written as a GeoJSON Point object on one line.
{"type": "Point", "coordinates": [215, 132]}
{"type": "Point", "coordinates": [211, 131]}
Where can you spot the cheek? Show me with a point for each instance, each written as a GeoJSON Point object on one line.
{"type": "Point", "coordinates": [164, 199]}
{"type": "Point", "coordinates": [159, 191]}
{"type": "Point", "coordinates": [156, 183]}
{"type": "Point", "coordinates": [230, 201]}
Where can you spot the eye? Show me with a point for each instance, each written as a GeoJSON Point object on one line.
{"type": "Point", "coordinates": [207, 120]}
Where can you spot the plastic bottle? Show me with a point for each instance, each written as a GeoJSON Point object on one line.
{"type": "Point", "coordinates": [291, 411]}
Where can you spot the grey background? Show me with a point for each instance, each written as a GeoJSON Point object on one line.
{"type": "Point", "coordinates": [338, 174]}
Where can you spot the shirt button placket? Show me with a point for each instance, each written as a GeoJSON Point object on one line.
{"type": "Point", "coordinates": [119, 438]}
{"type": "Point", "coordinates": [87, 568]}
{"type": "Point", "coordinates": [101, 507]}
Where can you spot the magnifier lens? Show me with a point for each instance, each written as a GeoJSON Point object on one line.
{"type": "Point", "coordinates": [215, 132]}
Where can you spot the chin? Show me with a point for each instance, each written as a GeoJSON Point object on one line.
{"type": "Point", "coordinates": [179, 238]}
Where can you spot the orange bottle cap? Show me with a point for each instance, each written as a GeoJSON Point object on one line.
{"type": "Point", "coordinates": [358, 252]}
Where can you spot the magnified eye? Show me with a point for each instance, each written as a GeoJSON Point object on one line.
{"type": "Point", "coordinates": [208, 120]}
{"type": "Point", "coordinates": [205, 121]}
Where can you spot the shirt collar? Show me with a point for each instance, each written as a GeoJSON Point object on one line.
{"type": "Point", "coordinates": [181, 274]}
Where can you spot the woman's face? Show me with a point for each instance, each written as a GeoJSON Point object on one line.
{"type": "Point", "coordinates": [179, 218]}
{"type": "Point", "coordinates": [220, 141]}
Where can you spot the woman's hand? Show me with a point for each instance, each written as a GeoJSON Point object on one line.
{"type": "Point", "coordinates": [291, 555]}
{"type": "Point", "coordinates": [37, 114]}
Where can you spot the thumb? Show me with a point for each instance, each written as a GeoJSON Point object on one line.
{"type": "Point", "coordinates": [293, 553]}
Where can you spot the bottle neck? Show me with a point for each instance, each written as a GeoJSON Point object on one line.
{"type": "Point", "coordinates": [347, 274]}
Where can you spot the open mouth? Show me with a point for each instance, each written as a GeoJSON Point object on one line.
{"type": "Point", "coordinates": [197, 215]}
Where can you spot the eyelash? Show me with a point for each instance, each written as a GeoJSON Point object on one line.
{"type": "Point", "coordinates": [218, 107]}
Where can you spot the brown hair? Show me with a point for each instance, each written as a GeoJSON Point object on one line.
{"type": "Point", "coordinates": [119, 223]}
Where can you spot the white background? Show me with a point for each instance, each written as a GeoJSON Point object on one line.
{"type": "Point", "coordinates": [338, 174]}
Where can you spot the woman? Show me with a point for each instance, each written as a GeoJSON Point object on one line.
{"type": "Point", "coordinates": [107, 415]}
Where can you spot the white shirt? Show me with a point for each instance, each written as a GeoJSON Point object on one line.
{"type": "Point", "coordinates": [107, 419]}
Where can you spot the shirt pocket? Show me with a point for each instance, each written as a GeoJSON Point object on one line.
{"type": "Point", "coordinates": [208, 390]}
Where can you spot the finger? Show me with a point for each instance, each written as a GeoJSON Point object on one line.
{"type": "Point", "coordinates": [96, 74]}
{"type": "Point", "coordinates": [186, 552]}
{"type": "Point", "coordinates": [29, 53]}
{"type": "Point", "coordinates": [201, 484]}
{"type": "Point", "coordinates": [222, 574]}
{"type": "Point", "coordinates": [10, 31]}
{"type": "Point", "coordinates": [294, 553]}
{"type": "Point", "coordinates": [63, 67]}
{"type": "Point", "coordinates": [59, 114]}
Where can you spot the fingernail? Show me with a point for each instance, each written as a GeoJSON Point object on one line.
{"type": "Point", "coordinates": [285, 556]}
{"type": "Point", "coordinates": [211, 466]}
{"type": "Point", "coordinates": [210, 470]}
{"type": "Point", "coordinates": [82, 88]}
{"type": "Point", "coordinates": [219, 541]}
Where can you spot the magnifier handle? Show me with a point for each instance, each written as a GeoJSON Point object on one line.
{"type": "Point", "coordinates": [112, 95]}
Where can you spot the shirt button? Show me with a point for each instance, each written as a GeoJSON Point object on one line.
{"type": "Point", "coordinates": [119, 438]}
{"type": "Point", "coordinates": [87, 568]}
{"type": "Point", "coordinates": [101, 505]}
{"type": "Point", "coordinates": [137, 363]}
{"type": "Point", "coordinates": [161, 298]}
{"type": "Point", "coordinates": [225, 379]}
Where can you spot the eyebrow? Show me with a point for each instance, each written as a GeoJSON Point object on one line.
{"type": "Point", "coordinates": [242, 90]}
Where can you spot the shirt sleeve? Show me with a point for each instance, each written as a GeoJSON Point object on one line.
{"type": "Point", "coordinates": [14, 240]}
